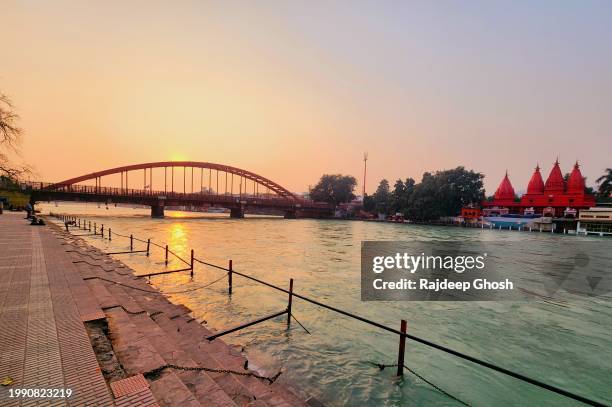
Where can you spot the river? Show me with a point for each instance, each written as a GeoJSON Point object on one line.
{"type": "Point", "coordinates": [567, 344]}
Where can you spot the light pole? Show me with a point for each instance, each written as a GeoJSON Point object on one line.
{"type": "Point", "coordinates": [365, 167]}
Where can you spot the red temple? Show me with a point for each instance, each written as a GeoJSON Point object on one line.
{"type": "Point", "coordinates": [555, 197]}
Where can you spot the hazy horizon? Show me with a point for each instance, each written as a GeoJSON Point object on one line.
{"type": "Point", "coordinates": [293, 90]}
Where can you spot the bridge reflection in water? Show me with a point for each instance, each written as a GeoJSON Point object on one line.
{"type": "Point", "coordinates": [220, 185]}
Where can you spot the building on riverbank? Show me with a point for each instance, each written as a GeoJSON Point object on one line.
{"type": "Point", "coordinates": [595, 221]}
{"type": "Point", "coordinates": [556, 197]}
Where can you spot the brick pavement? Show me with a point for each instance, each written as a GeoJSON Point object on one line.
{"type": "Point", "coordinates": [43, 342]}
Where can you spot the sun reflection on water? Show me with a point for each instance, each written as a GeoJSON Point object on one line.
{"type": "Point", "coordinates": [177, 238]}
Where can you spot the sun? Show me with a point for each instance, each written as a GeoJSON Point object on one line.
{"type": "Point", "coordinates": [177, 157]}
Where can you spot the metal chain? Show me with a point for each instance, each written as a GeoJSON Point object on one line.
{"type": "Point", "coordinates": [270, 380]}
{"type": "Point", "coordinates": [382, 366]}
{"type": "Point", "coordinates": [303, 327]}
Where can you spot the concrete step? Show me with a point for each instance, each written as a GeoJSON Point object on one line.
{"type": "Point", "coordinates": [202, 386]}
{"type": "Point", "coordinates": [231, 384]}
{"type": "Point", "coordinates": [194, 334]}
{"type": "Point", "coordinates": [170, 391]}
{"type": "Point", "coordinates": [132, 348]}
{"type": "Point", "coordinates": [137, 355]}
{"type": "Point", "coordinates": [190, 335]}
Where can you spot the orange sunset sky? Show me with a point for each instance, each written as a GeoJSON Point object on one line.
{"type": "Point", "coordinates": [292, 90]}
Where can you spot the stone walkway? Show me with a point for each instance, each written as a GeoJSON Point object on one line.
{"type": "Point", "coordinates": [43, 342]}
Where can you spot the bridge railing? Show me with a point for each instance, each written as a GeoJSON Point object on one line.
{"type": "Point", "coordinates": [402, 332]}
{"type": "Point", "coordinates": [169, 195]}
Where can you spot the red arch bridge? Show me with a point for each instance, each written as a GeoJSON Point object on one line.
{"type": "Point", "coordinates": [183, 183]}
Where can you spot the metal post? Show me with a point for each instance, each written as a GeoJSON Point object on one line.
{"type": "Point", "coordinates": [66, 224]}
{"type": "Point", "coordinates": [89, 229]}
{"type": "Point", "coordinates": [109, 234]}
{"type": "Point", "coordinates": [95, 228]}
{"type": "Point", "coordinates": [402, 349]}
{"type": "Point", "coordinates": [166, 255]}
{"type": "Point", "coordinates": [229, 277]}
{"type": "Point", "coordinates": [131, 243]}
{"type": "Point", "coordinates": [290, 301]}
{"type": "Point", "coordinates": [102, 231]}
{"type": "Point", "coordinates": [148, 246]}
{"type": "Point", "coordinates": [191, 263]}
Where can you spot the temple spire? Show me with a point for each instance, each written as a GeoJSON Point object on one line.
{"type": "Point", "coordinates": [505, 190]}
{"type": "Point", "coordinates": [536, 184]}
{"type": "Point", "coordinates": [575, 182]}
{"type": "Point", "coordinates": [555, 183]}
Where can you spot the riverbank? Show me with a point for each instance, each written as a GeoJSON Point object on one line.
{"type": "Point", "coordinates": [133, 343]}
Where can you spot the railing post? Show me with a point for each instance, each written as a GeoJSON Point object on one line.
{"type": "Point", "coordinates": [191, 263]}
{"type": "Point", "coordinates": [102, 231]}
{"type": "Point", "coordinates": [66, 224]}
{"type": "Point", "coordinates": [89, 226]}
{"type": "Point", "coordinates": [109, 234]}
{"type": "Point", "coordinates": [148, 246]}
{"type": "Point", "coordinates": [79, 223]}
{"type": "Point", "coordinates": [131, 243]}
{"type": "Point", "coordinates": [166, 255]}
{"type": "Point", "coordinates": [290, 301]}
{"type": "Point", "coordinates": [229, 277]}
{"type": "Point", "coordinates": [95, 228]}
{"type": "Point", "coordinates": [402, 349]}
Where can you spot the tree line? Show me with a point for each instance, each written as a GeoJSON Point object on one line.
{"type": "Point", "coordinates": [442, 193]}
{"type": "Point", "coordinates": [438, 194]}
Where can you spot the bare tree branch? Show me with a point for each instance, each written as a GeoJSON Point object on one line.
{"type": "Point", "coordinates": [10, 133]}
{"type": "Point", "coordinates": [10, 140]}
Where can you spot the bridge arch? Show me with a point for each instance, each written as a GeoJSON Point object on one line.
{"type": "Point", "coordinates": [255, 178]}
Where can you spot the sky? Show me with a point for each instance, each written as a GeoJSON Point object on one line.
{"type": "Point", "coordinates": [291, 90]}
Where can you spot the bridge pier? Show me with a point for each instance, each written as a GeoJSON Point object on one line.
{"type": "Point", "coordinates": [157, 211]}
{"type": "Point", "coordinates": [237, 213]}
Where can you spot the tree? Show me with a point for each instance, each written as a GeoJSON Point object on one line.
{"type": "Point", "coordinates": [383, 198]}
{"type": "Point", "coordinates": [397, 196]}
{"type": "Point", "coordinates": [401, 195]}
{"type": "Point", "coordinates": [334, 189]}
{"type": "Point", "coordinates": [10, 140]}
{"type": "Point", "coordinates": [369, 204]}
{"type": "Point", "coordinates": [444, 193]}
{"type": "Point", "coordinates": [605, 184]}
